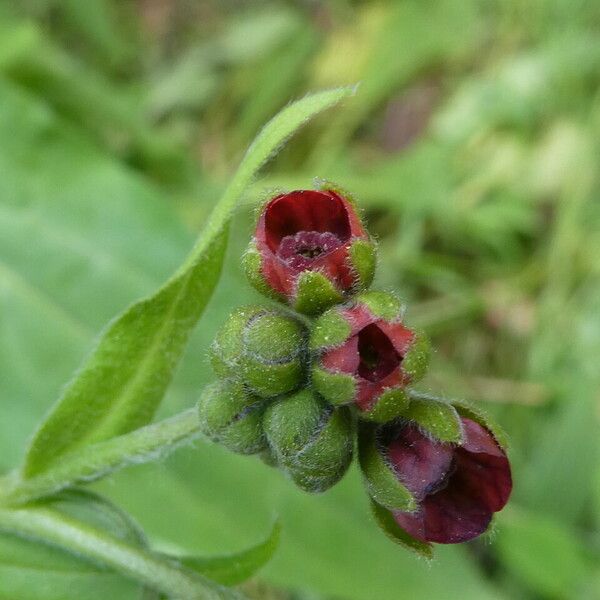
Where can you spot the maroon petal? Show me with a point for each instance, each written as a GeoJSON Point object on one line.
{"type": "Point", "coordinates": [478, 484]}
{"type": "Point", "coordinates": [400, 336]}
{"type": "Point", "coordinates": [378, 357]}
{"type": "Point", "coordinates": [449, 517]}
{"type": "Point", "coordinates": [305, 210]}
{"type": "Point", "coordinates": [420, 463]}
{"type": "Point", "coordinates": [344, 359]}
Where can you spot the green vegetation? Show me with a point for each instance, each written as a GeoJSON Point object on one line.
{"type": "Point", "coordinates": [472, 145]}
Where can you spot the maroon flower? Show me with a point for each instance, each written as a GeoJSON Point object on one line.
{"type": "Point", "coordinates": [377, 357]}
{"type": "Point", "coordinates": [457, 488]}
{"type": "Point", "coordinates": [312, 231]}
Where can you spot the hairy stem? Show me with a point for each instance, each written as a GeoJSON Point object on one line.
{"type": "Point", "coordinates": [56, 529]}
{"type": "Point", "coordinates": [97, 460]}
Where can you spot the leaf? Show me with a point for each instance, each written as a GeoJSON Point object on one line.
{"type": "Point", "coordinates": [394, 532]}
{"type": "Point", "coordinates": [54, 525]}
{"type": "Point", "coordinates": [121, 384]}
{"type": "Point", "coordinates": [542, 552]}
{"type": "Point", "coordinates": [235, 568]}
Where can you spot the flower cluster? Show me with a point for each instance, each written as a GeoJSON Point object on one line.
{"type": "Point", "coordinates": [300, 384]}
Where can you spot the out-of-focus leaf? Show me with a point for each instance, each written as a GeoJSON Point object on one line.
{"type": "Point", "coordinates": [544, 553]}
{"type": "Point", "coordinates": [80, 237]}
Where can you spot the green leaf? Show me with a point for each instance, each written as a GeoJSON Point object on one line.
{"type": "Point", "coordinates": [545, 554]}
{"type": "Point", "coordinates": [394, 532]}
{"type": "Point", "coordinates": [235, 568]}
{"type": "Point", "coordinates": [121, 384]}
{"type": "Point", "coordinates": [46, 524]}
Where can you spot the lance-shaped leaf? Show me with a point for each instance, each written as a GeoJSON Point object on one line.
{"type": "Point", "coordinates": [121, 384]}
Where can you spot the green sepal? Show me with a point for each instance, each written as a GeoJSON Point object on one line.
{"type": "Point", "coordinates": [381, 482]}
{"type": "Point", "coordinates": [229, 415]}
{"type": "Point", "coordinates": [337, 388]}
{"type": "Point", "coordinates": [263, 348]}
{"type": "Point", "coordinates": [325, 185]}
{"type": "Point", "coordinates": [313, 443]}
{"type": "Point", "coordinates": [468, 410]}
{"type": "Point", "coordinates": [396, 534]}
{"type": "Point", "coordinates": [330, 329]}
{"type": "Point", "coordinates": [315, 293]}
{"type": "Point", "coordinates": [252, 266]}
{"type": "Point", "coordinates": [381, 304]}
{"type": "Point", "coordinates": [226, 350]}
{"type": "Point", "coordinates": [391, 404]}
{"type": "Point", "coordinates": [416, 359]}
{"type": "Point", "coordinates": [438, 419]}
{"type": "Point", "coordinates": [290, 423]}
{"type": "Point", "coordinates": [273, 354]}
{"type": "Point", "coordinates": [363, 258]}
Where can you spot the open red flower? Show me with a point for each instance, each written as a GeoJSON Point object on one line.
{"type": "Point", "coordinates": [367, 356]}
{"type": "Point", "coordinates": [457, 488]}
{"type": "Point", "coordinates": [307, 231]}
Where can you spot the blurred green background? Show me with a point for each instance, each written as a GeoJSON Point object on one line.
{"type": "Point", "coordinates": [473, 146]}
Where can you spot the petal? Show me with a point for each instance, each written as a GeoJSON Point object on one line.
{"type": "Point", "coordinates": [479, 485]}
{"type": "Point", "coordinates": [399, 335]}
{"type": "Point", "coordinates": [304, 210]}
{"type": "Point", "coordinates": [449, 517]}
{"type": "Point", "coordinates": [378, 357]}
{"type": "Point", "coordinates": [344, 359]}
{"type": "Point", "coordinates": [420, 463]}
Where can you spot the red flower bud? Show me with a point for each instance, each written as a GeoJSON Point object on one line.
{"type": "Point", "coordinates": [311, 249]}
{"type": "Point", "coordinates": [368, 356]}
{"type": "Point", "coordinates": [457, 488]}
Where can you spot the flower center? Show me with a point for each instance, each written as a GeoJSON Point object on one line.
{"type": "Point", "coordinates": [378, 357]}
{"type": "Point", "coordinates": [301, 249]}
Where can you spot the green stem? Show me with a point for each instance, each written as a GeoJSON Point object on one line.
{"type": "Point", "coordinates": [56, 529]}
{"type": "Point", "coordinates": [96, 460]}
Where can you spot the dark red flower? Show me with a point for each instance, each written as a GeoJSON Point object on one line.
{"type": "Point", "coordinates": [312, 231]}
{"type": "Point", "coordinates": [458, 488]}
{"type": "Point", "coordinates": [379, 356]}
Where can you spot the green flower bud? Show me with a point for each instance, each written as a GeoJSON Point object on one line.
{"type": "Point", "coordinates": [263, 348]}
{"type": "Point", "coordinates": [231, 416]}
{"type": "Point", "coordinates": [312, 441]}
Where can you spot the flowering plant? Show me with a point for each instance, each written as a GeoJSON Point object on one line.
{"type": "Point", "coordinates": [298, 391]}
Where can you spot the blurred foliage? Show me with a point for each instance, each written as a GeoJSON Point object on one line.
{"type": "Point", "coordinates": [472, 144]}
